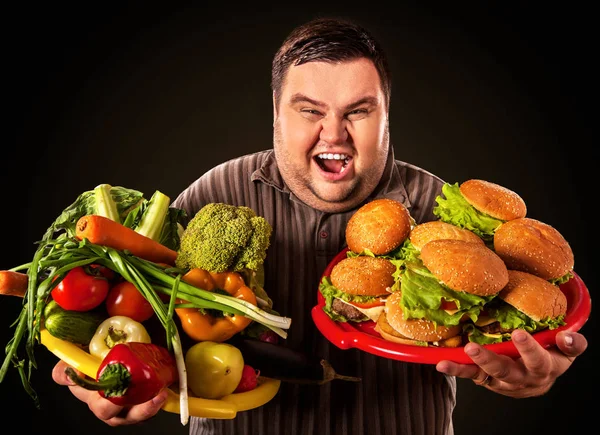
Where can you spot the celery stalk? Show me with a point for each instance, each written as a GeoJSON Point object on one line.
{"type": "Point", "coordinates": [153, 219]}
{"type": "Point", "coordinates": [105, 205]}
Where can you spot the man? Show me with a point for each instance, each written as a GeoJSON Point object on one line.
{"type": "Point", "coordinates": [331, 154]}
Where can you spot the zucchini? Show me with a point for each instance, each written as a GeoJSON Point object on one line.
{"type": "Point", "coordinates": [74, 326]}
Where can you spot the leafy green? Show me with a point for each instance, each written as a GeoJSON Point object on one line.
{"type": "Point", "coordinates": [422, 296]}
{"type": "Point", "coordinates": [454, 209]}
{"type": "Point", "coordinates": [403, 254]}
{"type": "Point", "coordinates": [330, 292]}
{"type": "Point", "coordinates": [509, 318]}
{"type": "Point", "coordinates": [86, 204]}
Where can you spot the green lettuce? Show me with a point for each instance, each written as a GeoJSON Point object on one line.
{"type": "Point", "coordinates": [422, 295]}
{"type": "Point", "coordinates": [330, 292]}
{"type": "Point", "coordinates": [510, 318]}
{"type": "Point", "coordinates": [454, 209]}
{"type": "Point", "coordinates": [129, 206]}
{"type": "Point", "coordinates": [403, 254]}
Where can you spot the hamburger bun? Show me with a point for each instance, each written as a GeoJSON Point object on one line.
{"type": "Point", "coordinates": [493, 200]}
{"type": "Point", "coordinates": [435, 230]}
{"type": "Point", "coordinates": [380, 226]}
{"type": "Point", "coordinates": [465, 266]}
{"type": "Point", "coordinates": [533, 296]}
{"type": "Point", "coordinates": [394, 327]}
{"type": "Point", "coordinates": [530, 245]}
{"type": "Point", "coordinates": [363, 275]}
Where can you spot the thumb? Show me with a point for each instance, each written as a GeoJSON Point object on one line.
{"type": "Point", "coordinates": [572, 344]}
{"type": "Point", "coordinates": [59, 376]}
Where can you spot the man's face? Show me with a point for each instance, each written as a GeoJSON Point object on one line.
{"type": "Point", "coordinates": [331, 133]}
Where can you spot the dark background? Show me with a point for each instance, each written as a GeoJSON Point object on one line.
{"type": "Point", "coordinates": [150, 98]}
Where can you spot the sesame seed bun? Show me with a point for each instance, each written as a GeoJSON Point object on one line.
{"type": "Point", "coordinates": [530, 245]}
{"type": "Point", "coordinates": [380, 226]}
{"type": "Point", "coordinates": [435, 230]}
{"type": "Point", "coordinates": [534, 296]}
{"type": "Point", "coordinates": [465, 266]}
{"type": "Point", "coordinates": [363, 275]}
{"type": "Point", "coordinates": [414, 329]}
{"type": "Point", "coordinates": [493, 200]}
{"type": "Point", "coordinates": [383, 328]}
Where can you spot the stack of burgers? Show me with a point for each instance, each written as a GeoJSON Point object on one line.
{"type": "Point", "coordinates": [477, 273]}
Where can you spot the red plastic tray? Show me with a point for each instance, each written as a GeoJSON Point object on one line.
{"type": "Point", "coordinates": [363, 336]}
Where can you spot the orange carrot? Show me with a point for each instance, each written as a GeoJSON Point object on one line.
{"type": "Point", "coordinates": [106, 232]}
{"type": "Point", "coordinates": [13, 283]}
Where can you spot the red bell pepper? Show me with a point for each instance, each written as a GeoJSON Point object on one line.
{"type": "Point", "coordinates": [131, 373]}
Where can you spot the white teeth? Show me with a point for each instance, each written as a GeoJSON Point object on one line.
{"type": "Point", "coordinates": [330, 156]}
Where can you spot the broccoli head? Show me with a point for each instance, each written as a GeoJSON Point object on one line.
{"type": "Point", "coordinates": [223, 237]}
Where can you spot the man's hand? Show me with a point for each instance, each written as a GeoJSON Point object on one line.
{"type": "Point", "coordinates": [530, 375]}
{"type": "Point", "coordinates": [105, 410]}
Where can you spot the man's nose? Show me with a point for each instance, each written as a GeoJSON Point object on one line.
{"type": "Point", "coordinates": [334, 130]}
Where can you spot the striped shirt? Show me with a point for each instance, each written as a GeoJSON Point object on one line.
{"type": "Point", "coordinates": [393, 397]}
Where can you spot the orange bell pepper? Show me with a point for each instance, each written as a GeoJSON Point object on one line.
{"type": "Point", "coordinates": [205, 327]}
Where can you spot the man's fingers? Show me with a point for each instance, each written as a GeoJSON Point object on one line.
{"type": "Point", "coordinates": [133, 415]}
{"type": "Point", "coordinates": [500, 367]}
{"type": "Point", "coordinates": [535, 358]}
{"type": "Point", "coordinates": [466, 371]}
{"type": "Point", "coordinates": [105, 410]}
{"type": "Point", "coordinates": [144, 411]}
{"type": "Point", "coordinates": [58, 373]}
{"type": "Point", "coordinates": [102, 408]}
{"type": "Point", "coordinates": [572, 344]}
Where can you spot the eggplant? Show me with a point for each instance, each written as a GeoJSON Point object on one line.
{"type": "Point", "coordinates": [287, 365]}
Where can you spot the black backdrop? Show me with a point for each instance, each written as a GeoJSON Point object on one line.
{"type": "Point", "coordinates": [150, 98]}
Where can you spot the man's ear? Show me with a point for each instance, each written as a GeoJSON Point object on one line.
{"type": "Point", "coordinates": [274, 108]}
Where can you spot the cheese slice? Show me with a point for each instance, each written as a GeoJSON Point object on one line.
{"type": "Point", "coordinates": [371, 313]}
{"type": "Point", "coordinates": [484, 320]}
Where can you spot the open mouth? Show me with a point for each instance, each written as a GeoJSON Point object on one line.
{"type": "Point", "coordinates": [335, 163]}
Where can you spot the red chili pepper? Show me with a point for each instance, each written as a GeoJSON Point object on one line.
{"type": "Point", "coordinates": [131, 373]}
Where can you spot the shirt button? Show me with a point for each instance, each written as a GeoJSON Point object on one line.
{"type": "Point", "coordinates": [324, 234]}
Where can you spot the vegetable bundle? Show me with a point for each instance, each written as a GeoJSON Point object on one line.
{"type": "Point", "coordinates": [117, 229]}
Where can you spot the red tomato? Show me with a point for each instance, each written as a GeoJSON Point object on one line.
{"type": "Point", "coordinates": [124, 299]}
{"type": "Point", "coordinates": [107, 273]}
{"type": "Point", "coordinates": [364, 305]}
{"type": "Point", "coordinates": [82, 289]}
{"type": "Point", "coordinates": [448, 305]}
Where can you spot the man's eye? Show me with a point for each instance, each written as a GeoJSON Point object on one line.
{"type": "Point", "coordinates": [311, 114]}
{"type": "Point", "coordinates": [310, 111]}
{"type": "Point", "coordinates": [357, 114]}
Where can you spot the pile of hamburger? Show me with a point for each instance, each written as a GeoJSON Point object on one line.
{"type": "Point", "coordinates": [478, 272]}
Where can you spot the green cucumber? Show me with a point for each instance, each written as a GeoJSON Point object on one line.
{"type": "Point", "coordinates": [75, 326]}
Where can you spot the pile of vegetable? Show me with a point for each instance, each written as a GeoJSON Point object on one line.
{"type": "Point", "coordinates": [112, 261]}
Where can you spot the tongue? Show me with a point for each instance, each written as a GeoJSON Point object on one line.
{"type": "Point", "coordinates": [332, 165]}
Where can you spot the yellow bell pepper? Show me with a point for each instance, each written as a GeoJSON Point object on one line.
{"type": "Point", "coordinates": [225, 408]}
{"type": "Point", "coordinates": [115, 330]}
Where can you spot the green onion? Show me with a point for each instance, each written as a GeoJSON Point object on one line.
{"type": "Point", "coordinates": [55, 257]}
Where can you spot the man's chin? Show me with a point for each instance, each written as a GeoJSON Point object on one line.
{"type": "Point", "coordinates": [335, 197]}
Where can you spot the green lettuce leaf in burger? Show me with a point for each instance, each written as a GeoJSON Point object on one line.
{"type": "Point", "coordinates": [479, 206]}
{"type": "Point", "coordinates": [450, 285]}
{"type": "Point", "coordinates": [357, 288]}
{"type": "Point", "coordinates": [380, 228]}
{"type": "Point", "coordinates": [527, 302]}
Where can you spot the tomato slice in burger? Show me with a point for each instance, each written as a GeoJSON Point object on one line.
{"type": "Point", "coordinates": [448, 305]}
{"type": "Point", "coordinates": [365, 305]}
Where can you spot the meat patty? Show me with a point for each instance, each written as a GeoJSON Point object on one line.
{"type": "Point", "coordinates": [347, 310]}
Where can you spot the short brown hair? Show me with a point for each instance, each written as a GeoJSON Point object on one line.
{"type": "Point", "coordinates": [328, 40]}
